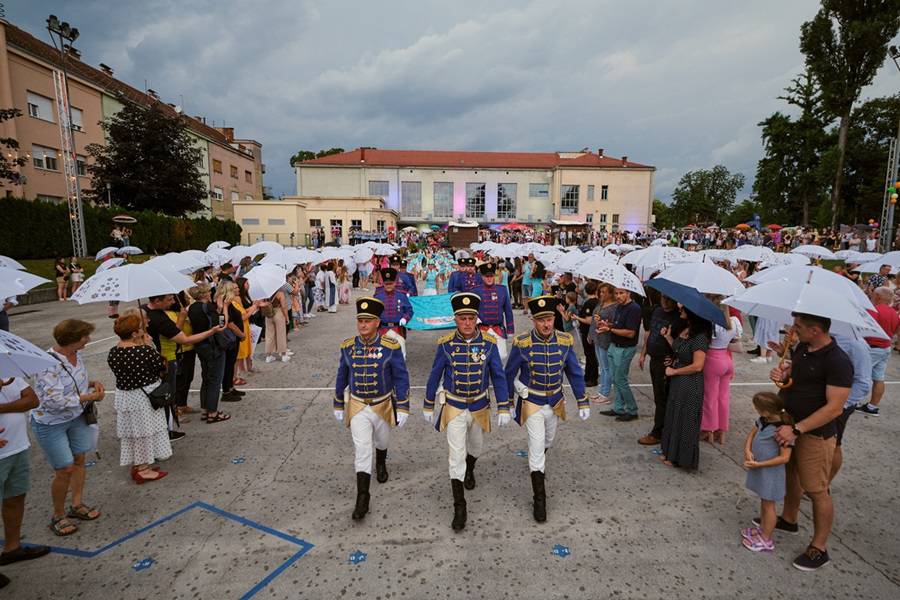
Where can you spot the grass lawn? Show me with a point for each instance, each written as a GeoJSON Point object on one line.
{"type": "Point", "coordinates": [43, 267]}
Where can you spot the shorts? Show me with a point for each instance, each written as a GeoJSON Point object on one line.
{"type": "Point", "coordinates": [61, 442]}
{"type": "Point", "coordinates": [880, 358]}
{"type": "Point", "coordinates": [15, 470]}
{"type": "Point", "coordinates": [811, 462]}
{"type": "Point", "coordinates": [841, 423]}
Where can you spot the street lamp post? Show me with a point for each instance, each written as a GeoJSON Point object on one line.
{"type": "Point", "coordinates": [63, 32]}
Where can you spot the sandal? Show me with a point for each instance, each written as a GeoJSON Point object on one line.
{"type": "Point", "coordinates": [240, 381]}
{"type": "Point", "coordinates": [218, 418]}
{"type": "Point", "coordinates": [83, 512]}
{"type": "Point", "coordinates": [62, 526]}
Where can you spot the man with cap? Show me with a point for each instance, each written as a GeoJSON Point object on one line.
{"type": "Point", "coordinates": [371, 395]}
{"type": "Point", "coordinates": [397, 309]}
{"type": "Point", "coordinates": [534, 373]}
{"type": "Point", "coordinates": [464, 363]}
{"type": "Point", "coordinates": [465, 279]}
{"type": "Point", "coordinates": [495, 312]}
{"type": "Point", "coordinates": [405, 281]}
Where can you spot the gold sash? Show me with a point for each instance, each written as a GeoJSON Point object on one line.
{"type": "Point", "coordinates": [382, 406]}
{"type": "Point", "coordinates": [482, 417]}
{"type": "Point", "coordinates": [529, 408]}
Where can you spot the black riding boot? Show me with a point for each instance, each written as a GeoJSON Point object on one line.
{"type": "Point", "coordinates": [381, 473]}
{"type": "Point", "coordinates": [540, 496]}
{"type": "Point", "coordinates": [459, 505]}
{"type": "Point", "coordinates": [362, 496]}
{"type": "Point", "coordinates": [469, 480]}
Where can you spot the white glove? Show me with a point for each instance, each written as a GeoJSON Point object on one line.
{"type": "Point", "coordinates": [584, 413]}
{"type": "Point", "coordinates": [339, 415]}
{"type": "Point", "coordinates": [502, 419]}
{"type": "Point", "coordinates": [403, 322]}
{"type": "Point", "coordinates": [401, 418]}
{"type": "Point", "coordinates": [521, 388]}
{"type": "Point", "coordinates": [429, 416]}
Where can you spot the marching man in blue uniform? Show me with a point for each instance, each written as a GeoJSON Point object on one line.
{"type": "Point", "coordinates": [397, 309]}
{"type": "Point", "coordinates": [371, 395]}
{"type": "Point", "coordinates": [496, 312]}
{"type": "Point", "coordinates": [465, 279]}
{"type": "Point", "coordinates": [406, 283]}
{"type": "Point", "coordinates": [465, 362]}
{"type": "Point", "coordinates": [534, 373]}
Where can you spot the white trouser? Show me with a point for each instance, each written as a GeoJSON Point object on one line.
{"type": "Point", "coordinates": [541, 428]}
{"type": "Point", "coordinates": [464, 436]}
{"type": "Point", "coordinates": [501, 347]}
{"type": "Point", "coordinates": [366, 427]}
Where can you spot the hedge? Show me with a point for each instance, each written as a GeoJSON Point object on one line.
{"type": "Point", "coordinates": [30, 229]}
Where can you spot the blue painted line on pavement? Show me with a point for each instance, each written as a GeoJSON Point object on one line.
{"type": "Point", "coordinates": [303, 544]}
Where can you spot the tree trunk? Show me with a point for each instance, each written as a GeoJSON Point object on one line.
{"type": "Point", "coordinates": [839, 174]}
{"type": "Point", "coordinates": [804, 198]}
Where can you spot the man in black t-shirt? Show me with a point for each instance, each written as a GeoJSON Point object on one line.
{"type": "Point", "coordinates": [821, 375]}
{"type": "Point", "coordinates": [585, 319]}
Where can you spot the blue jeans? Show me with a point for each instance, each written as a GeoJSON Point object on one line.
{"type": "Point", "coordinates": [62, 442]}
{"type": "Point", "coordinates": [605, 378]}
{"type": "Point", "coordinates": [620, 363]}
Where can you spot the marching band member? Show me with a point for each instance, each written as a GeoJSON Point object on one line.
{"type": "Point", "coordinates": [495, 313]}
{"type": "Point", "coordinates": [465, 279]}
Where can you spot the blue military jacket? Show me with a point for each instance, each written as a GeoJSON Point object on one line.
{"type": "Point", "coordinates": [396, 307]}
{"type": "Point", "coordinates": [463, 282]}
{"type": "Point", "coordinates": [371, 371]}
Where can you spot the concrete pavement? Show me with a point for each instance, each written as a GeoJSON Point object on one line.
{"type": "Point", "coordinates": [276, 488]}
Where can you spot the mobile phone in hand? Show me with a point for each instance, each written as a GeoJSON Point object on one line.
{"type": "Point", "coordinates": [222, 320]}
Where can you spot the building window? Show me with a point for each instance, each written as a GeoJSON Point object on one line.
{"type": "Point", "coordinates": [248, 197]}
{"type": "Point", "coordinates": [235, 196]}
{"type": "Point", "coordinates": [356, 224]}
{"type": "Point", "coordinates": [249, 221]}
{"type": "Point", "coordinates": [604, 192]}
{"type": "Point", "coordinates": [276, 221]}
{"type": "Point", "coordinates": [40, 107]}
{"type": "Point", "coordinates": [44, 158]}
{"type": "Point", "coordinates": [248, 176]}
{"type": "Point", "coordinates": [538, 190]}
{"type": "Point", "coordinates": [506, 200]}
{"type": "Point", "coordinates": [602, 226]}
{"type": "Point", "coordinates": [379, 188]}
{"type": "Point", "coordinates": [590, 192]}
{"type": "Point", "coordinates": [81, 165]}
{"type": "Point", "coordinates": [589, 218]}
{"type": "Point", "coordinates": [49, 199]}
{"type": "Point", "coordinates": [337, 228]}
{"type": "Point", "coordinates": [615, 222]}
{"type": "Point", "coordinates": [217, 193]}
{"type": "Point", "coordinates": [217, 165]}
{"type": "Point", "coordinates": [411, 199]}
{"type": "Point", "coordinates": [379, 225]}
{"type": "Point", "coordinates": [315, 222]}
{"type": "Point", "coordinates": [475, 200]}
{"type": "Point", "coordinates": [569, 200]}
{"type": "Point", "coordinates": [443, 199]}
{"type": "Point", "coordinates": [233, 170]}
{"type": "Point", "coordinates": [77, 119]}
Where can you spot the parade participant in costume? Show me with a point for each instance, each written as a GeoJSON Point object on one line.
{"type": "Point", "coordinates": [406, 282]}
{"type": "Point", "coordinates": [397, 309]}
{"type": "Point", "coordinates": [495, 312]}
{"type": "Point", "coordinates": [371, 395]}
{"type": "Point", "coordinates": [464, 363]}
{"type": "Point", "coordinates": [465, 279]}
{"type": "Point", "coordinates": [534, 372]}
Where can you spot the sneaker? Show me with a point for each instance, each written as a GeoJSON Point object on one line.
{"type": "Point", "coordinates": [270, 359]}
{"type": "Point", "coordinates": [812, 559]}
{"type": "Point", "coordinates": [626, 417]}
{"type": "Point", "coordinates": [285, 358]}
{"type": "Point", "coordinates": [601, 399]}
{"type": "Point", "coordinates": [609, 413]}
{"type": "Point", "coordinates": [757, 544]}
{"type": "Point", "coordinates": [289, 352]}
{"type": "Point", "coordinates": [864, 408]}
{"type": "Point", "coordinates": [780, 525]}
{"type": "Point", "coordinates": [176, 435]}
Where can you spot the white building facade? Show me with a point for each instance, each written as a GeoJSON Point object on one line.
{"type": "Point", "coordinates": [435, 187]}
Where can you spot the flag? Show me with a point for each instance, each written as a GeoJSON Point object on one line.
{"type": "Point", "coordinates": [431, 312]}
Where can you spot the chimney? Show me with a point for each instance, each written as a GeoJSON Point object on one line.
{"type": "Point", "coordinates": [228, 132]}
{"type": "Point", "coordinates": [624, 161]}
{"type": "Point", "coordinates": [106, 69]}
{"type": "Point", "coordinates": [362, 154]}
{"type": "Point", "coordinates": [600, 152]}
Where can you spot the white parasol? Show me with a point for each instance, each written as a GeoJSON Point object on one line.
{"type": "Point", "coordinates": [265, 280]}
{"type": "Point", "coordinates": [705, 277]}
{"type": "Point", "coordinates": [816, 275]}
{"type": "Point", "coordinates": [129, 282]}
{"type": "Point", "coordinates": [613, 274]}
{"type": "Point", "coordinates": [814, 251]}
{"type": "Point", "coordinates": [219, 245]}
{"type": "Point", "coordinates": [129, 250]}
{"type": "Point", "coordinates": [9, 263]}
{"type": "Point", "coordinates": [21, 358]}
{"type": "Point", "coordinates": [109, 263]}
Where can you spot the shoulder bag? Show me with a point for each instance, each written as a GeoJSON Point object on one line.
{"type": "Point", "coordinates": [160, 396]}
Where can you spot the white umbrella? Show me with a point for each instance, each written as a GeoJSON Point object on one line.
{"type": "Point", "coordinates": [129, 282]}
{"type": "Point", "coordinates": [9, 263]}
{"type": "Point", "coordinates": [817, 276]}
{"type": "Point", "coordinates": [177, 262]}
{"type": "Point", "coordinates": [106, 252]}
{"type": "Point", "coordinates": [781, 259]}
{"type": "Point", "coordinates": [21, 358]}
{"type": "Point", "coordinates": [362, 255]}
{"type": "Point", "coordinates": [717, 254]}
{"type": "Point", "coordinates": [813, 251]}
{"type": "Point", "coordinates": [239, 252]}
{"type": "Point", "coordinates": [218, 256]}
{"type": "Point", "coordinates": [750, 253]}
{"type": "Point", "coordinates": [176, 279]}
{"type": "Point", "coordinates": [409, 229]}
{"type": "Point", "coordinates": [891, 258]}
{"type": "Point", "coordinates": [218, 246]}
{"type": "Point", "coordinates": [198, 255]}
{"type": "Point", "coordinates": [660, 242]}
{"type": "Point", "coordinates": [690, 242]}
{"type": "Point", "coordinates": [109, 263]}
{"type": "Point", "coordinates": [777, 300]}
{"type": "Point", "coordinates": [654, 256]}
{"type": "Point", "coordinates": [626, 247]}
{"type": "Point", "coordinates": [384, 250]}
{"type": "Point", "coordinates": [864, 257]}
{"type": "Point", "coordinates": [265, 280]}
{"type": "Point", "coordinates": [265, 247]}
{"type": "Point", "coordinates": [613, 274]}
{"type": "Point", "coordinates": [705, 277]}
{"type": "Point", "coordinates": [14, 282]}
{"type": "Point", "coordinates": [129, 250]}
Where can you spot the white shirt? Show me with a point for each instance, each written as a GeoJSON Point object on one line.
{"type": "Point", "coordinates": [15, 424]}
{"type": "Point", "coordinates": [722, 337]}
{"type": "Point", "coordinates": [870, 245]}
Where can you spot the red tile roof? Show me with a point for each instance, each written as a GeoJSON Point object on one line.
{"type": "Point", "coordinates": [463, 159]}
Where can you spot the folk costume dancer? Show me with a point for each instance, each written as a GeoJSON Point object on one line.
{"type": "Point", "coordinates": [397, 309]}
{"type": "Point", "coordinates": [534, 373]}
{"type": "Point", "coordinates": [371, 395]}
{"type": "Point", "coordinates": [495, 312]}
{"type": "Point", "coordinates": [465, 279]}
{"type": "Point", "coordinates": [465, 362]}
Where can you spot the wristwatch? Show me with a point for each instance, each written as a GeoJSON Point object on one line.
{"type": "Point", "coordinates": [796, 431]}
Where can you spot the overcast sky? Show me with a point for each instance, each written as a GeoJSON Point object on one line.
{"type": "Point", "coordinates": [678, 85]}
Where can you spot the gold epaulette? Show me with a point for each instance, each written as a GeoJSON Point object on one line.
{"type": "Point", "coordinates": [489, 338]}
{"type": "Point", "coordinates": [390, 343]}
{"type": "Point", "coordinates": [522, 341]}
{"type": "Point", "coordinates": [446, 338]}
{"type": "Point", "coordinates": [347, 343]}
{"type": "Point", "coordinates": [565, 339]}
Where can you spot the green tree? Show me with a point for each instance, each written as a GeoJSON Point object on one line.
{"type": "Point", "coordinates": [329, 152]}
{"type": "Point", "coordinates": [149, 162]}
{"type": "Point", "coordinates": [705, 195]}
{"type": "Point", "coordinates": [302, 155]}
{"type": "Point", "coordinates": [663, 214]}
{"type": "Point", "coordinates": [8, 164]}
{"type": "Point", "coordinates": [845, 44]}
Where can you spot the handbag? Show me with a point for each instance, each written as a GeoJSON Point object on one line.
{"type": "Point", "coordinates": [88, 409]}
{"type": "Point", "coordinates": [160, 396]}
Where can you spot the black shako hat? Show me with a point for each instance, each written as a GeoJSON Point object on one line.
{"type": "Point", "coordinates": [542, 306]}
{"type": "Point", "coordinates": [389, 274]}
{"type": "Point", "coordinates": [465, 303]}
{"type": "Point", "coordinates": [369, 308]}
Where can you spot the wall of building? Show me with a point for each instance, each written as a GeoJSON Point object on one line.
{"type": "Point", "coordinates": [629, 196]}
{"type": "Point", "coordinates": [245, 191]}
